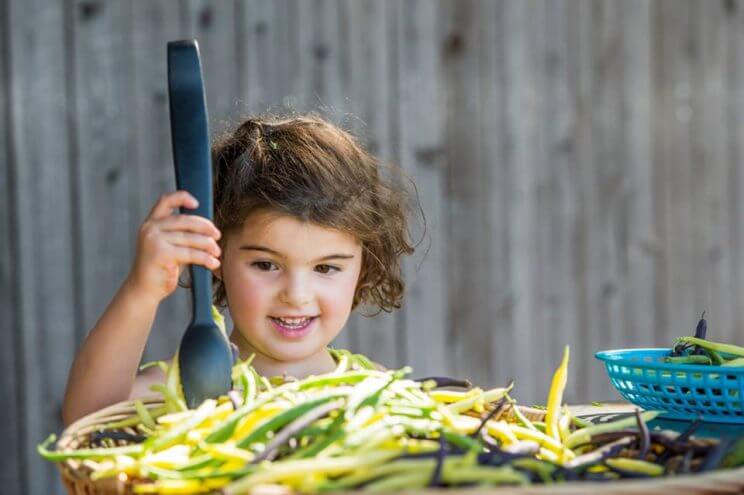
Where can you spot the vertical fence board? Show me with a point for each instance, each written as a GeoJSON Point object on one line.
{"type": "Point", "coordinates": [520, 155]}
{"type": "Point", "coordinates": [420, 131]}
{"type": "Point", "coordinates": [580, 81]}
{"type": "Point", "coordinates": [105, 144]}
{"type": "Point", "coordinates": [497, 295]}
{"type": "Point", "coordinates": [369, 73]}
{"type": "Point", "coordinates": [557, 205]}
{"type": "Point", "coordinates": [735, 144]}
{"type": "Point", "coordinates": [678, 52]}
{"type": "Point", "coordinates": [154, 24]}
{"type": "Point", "coordinates": [467, 248]}
{"type": "Point", "coordinates": [213, 25]}
{"type": "Point", "coordinates": [710, 174]}
{"type": "Point", "coordinates": [43, 224]}
{"type": "Point", "coordinates": [257, 34]}
{"type": "Point", "coordinates": [637, 120]}
{"type": "Point", "coordinates": [11, 416]}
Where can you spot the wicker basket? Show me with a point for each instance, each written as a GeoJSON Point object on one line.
{"type": "Point", "coordinates": [76, 474]}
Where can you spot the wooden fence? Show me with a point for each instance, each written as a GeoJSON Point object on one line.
{"type": "Point", "coordinates": [579, 164]}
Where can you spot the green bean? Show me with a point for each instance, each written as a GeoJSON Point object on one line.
{"type": "Point", "coordinates": [406, 480]}
{"type": "Point", "coordinates": [462, 441]}
{"type": "Point", "coordinates": [281, 419]}
{"type": "Point", "coordinates": [224, 430]}
{"type": "Point", "coordinates": [134, 420]}
{"type": "Point", "coordinates": [715, 346]}
{"type": "Point", "coordinates": [691, 359]}
{"type": "Point", "coordinates": [330, 380]}
{"type": "Point", "coordinates": [518, 413]}
{"type": "Point", "coordinates": [715, 357]}
{"type": "Point", "coordinates": [635, 466]}
{"type": "Point", "coordinates": [543, 469]}
{"type": "Point", "coordinates": [734, 363]}
{"type": "Point", "coordinates": [332, 434]}
{"type": "Point", "coordinates": [175, 434]}
{"type": "Point", "coordinates": [364, 475]}
{"type": "Point", "coordinates": [497, 475]}
{"type": "Point", "coordinates": [93, 454]}
{"type": "Point", "coordinates": [144, 415]}
{"type": "Point", "coordinates": [584, 435]}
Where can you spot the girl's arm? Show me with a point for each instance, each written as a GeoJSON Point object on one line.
{"type": "Point", "coordinates": [105, 369]}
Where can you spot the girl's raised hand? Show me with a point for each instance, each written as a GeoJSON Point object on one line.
{"type": "Point", "coordinates": [168, 241]}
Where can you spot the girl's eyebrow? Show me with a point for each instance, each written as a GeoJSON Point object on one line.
{"type": "Point", "coordinates": [271, 251]}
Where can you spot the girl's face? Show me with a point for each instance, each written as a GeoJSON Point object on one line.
{"type": "Point", "coordinates": [289, 284]}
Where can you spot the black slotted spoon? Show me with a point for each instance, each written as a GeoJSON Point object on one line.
{"type": "Point", "coordinates": [204, 355]}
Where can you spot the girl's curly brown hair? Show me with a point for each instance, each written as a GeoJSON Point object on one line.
{"type": "Point", "coordinates": [312, 170]}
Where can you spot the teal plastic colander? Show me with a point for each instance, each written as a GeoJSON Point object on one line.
{"type": "Point", "coordinates": [683, 391]}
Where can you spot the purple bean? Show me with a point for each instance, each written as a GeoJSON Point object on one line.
{"type": "Point", "coordinates": [644, 438]}
{"type": "Point", "coordinates": [496, 410]}
{"type": "Point", "coordinates": [446, 381]}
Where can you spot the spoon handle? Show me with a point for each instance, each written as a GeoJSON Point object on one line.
{"type": "Point", "coordinates": [191, 155]}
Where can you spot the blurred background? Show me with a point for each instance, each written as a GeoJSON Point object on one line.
{"type": "Point", "coordinates": [578, 162]}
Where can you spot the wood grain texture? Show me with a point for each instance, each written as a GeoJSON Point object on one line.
{"type": "Point", "coordinates": [578, 163]}
{"type": "Point", "coordinates": [43, 222]}
{"type": "Point", "coordinates": [12, 472]}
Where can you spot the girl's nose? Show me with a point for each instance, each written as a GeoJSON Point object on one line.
{"type": "Point", "coordinates": [296, 291]}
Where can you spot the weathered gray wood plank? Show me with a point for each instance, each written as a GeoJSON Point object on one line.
{"type": "Point", "coordinates": [105, 143]}
{"type": "Point", "coordinates": [735, 143]}
{"type": "Point", "coordinates": [154, 24]}
{"type": "Point", "coordinates": [367, 76]}
{"type": "Point", "coordinates": [497, 295]}
{"type": "Point", "coordinates": [677, 55]}
{"type": "Point", "coordinates": [557, 206]}
{"type": "Point", "coordinates": [637, 120]}
{"type": "Point", "coordinates": [711, 98]}
{"type": "Point", "coordinates": [257, 37]}
{"type": "Point", "coordinates": [213, 24]}
{"type": "Point", "coordinates": [11, 416]}
{"type": "Point", "coordinates": [519, 155]}
{"type": "Point", "coordinates": [421, 154]}
{"type": "Point", "coordinates": [44, 230]}
{"type": "Point", "coordinates": [469, 323]}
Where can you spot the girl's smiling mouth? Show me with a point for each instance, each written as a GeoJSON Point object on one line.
{"type": "Point", "coordinates": [295, 327]}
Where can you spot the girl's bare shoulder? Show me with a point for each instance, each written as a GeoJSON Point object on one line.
{"type": "Point", "coordinates": [146, 378]}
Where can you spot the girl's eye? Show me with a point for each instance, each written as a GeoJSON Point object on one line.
{"type": "Point", "coordinates": [325, 269]}
{"type": "Point", "coordinates": [264, 266]}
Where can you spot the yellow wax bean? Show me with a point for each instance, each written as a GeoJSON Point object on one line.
{"type": "Point", "coordinates": [332, 466]}
{"type": "Point", "coordinates": [564, 424]}
{"type": "Point", "coordinates": [501, 431]}
{"type": "Point", "coordinates": [555, 397]}
{"type": "Point", "coordinates": [543, 440]}
{"type": "Point", "coordinates": [171, 487]}
{"type": "Point", "coordinates": [449, 396]}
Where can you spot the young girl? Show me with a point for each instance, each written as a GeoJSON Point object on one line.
{"type": "Point", "coordinates": [306, 229]}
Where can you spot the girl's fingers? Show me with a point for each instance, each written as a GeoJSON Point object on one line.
{"type": "Point", "coordinates": [168, 202]}
{"type": "Point", "coordinates": [189, 223]}
{"type": "Point", "coordinates": [197, 241]}
{"type": "Point", "coordinates": [191, 256]}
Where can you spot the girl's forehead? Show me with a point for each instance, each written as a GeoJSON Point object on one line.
{"type": "Point", "coordinates": [282, 232]}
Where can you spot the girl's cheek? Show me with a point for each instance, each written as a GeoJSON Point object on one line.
{"type": "Point", "coordinates": [251, 289]}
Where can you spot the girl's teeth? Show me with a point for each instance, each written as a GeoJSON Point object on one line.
{"type": "Point", "coordinates": [292, 322]}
